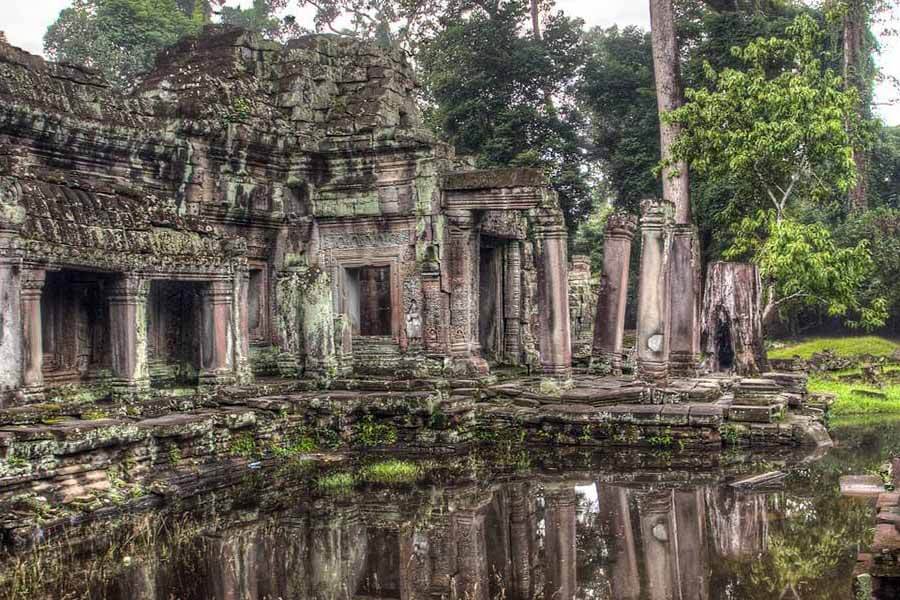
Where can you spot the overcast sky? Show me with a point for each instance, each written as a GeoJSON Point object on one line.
{"type": "Point", "coordinates": [25, 22]}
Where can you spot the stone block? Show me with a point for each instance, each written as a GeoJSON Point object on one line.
{"type": "Point", "coordinates": [755, 414]}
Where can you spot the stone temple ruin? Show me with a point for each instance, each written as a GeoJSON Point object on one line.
{"type": "Point", "coordinates": [254, 210]}
{"type": "Point", "coordinates": [265, 226]}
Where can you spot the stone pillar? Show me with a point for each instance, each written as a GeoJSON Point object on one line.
{"type": "Point", "coordinates": [660, 546]}
{"type": "Point", "coordinates": [317, 321]}
{"type": "Point", "coordinates": [11, 362]}
{"type": "Point", "coordinates": [609, 324]}
{"type": "Point", "coordinates": [415, 567]}
{"type": "Point", "coordinates": [615, 517]}
{"type": "Point", "coordinates": [32, 286]}
{"type": "Point", "coordinates": [693, 545]}
{"type": "Point", "coordinates": [463, 294]}
{"type": "Point", "coordinates": [128, 335]}
{"type": "Point", "coordinates": [653, 299]}
{"type": "Point", "coordinates": [560, 550]}
{"type": "Point", "coordinates": [512, 298]}
{"type": "Point", "coordinates": [684, 298]}
{"type": "Point", "coordinates": [217, 358]}
{"type": "Point", "coordinates": [521, 542]}
{"type": "Point", "coordinates": [555, 337]}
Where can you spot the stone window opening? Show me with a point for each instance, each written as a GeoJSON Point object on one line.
{"type": "Point", "coordinates": [174, 333]}
{"type": "Point", "coordinates": [367, 300]}
{"type": "Point", "coordinates": [74, 326]}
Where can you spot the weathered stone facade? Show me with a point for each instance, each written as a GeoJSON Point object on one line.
{"type": "Point", "coordinates": [253, 209]}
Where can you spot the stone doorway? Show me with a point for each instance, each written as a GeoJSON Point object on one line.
{"type": "Point", "coordinates": [74, 326]}
{"type": "Point", "coordinates": [368, 300]}
{"type": "Point", "coordinates": [491, 269]}
{"type": "Point", "coordinates": [174, 333]}
{"type": "Point", "coordinates": [724, 345]}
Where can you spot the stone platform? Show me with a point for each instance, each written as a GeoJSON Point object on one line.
{"type": "Point", "coordinates": [74, 456]}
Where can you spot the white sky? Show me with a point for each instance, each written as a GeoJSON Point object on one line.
{"type": "Point", "coordinates": [25, 22]}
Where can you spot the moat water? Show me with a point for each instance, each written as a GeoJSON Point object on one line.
{"type": "Point", "coordinates": [518, 525]}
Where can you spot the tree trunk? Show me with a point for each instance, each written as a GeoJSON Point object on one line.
{"type": "Point", "coordinates": [668, 97]}
{"type": "Point", "coordinates": [731, 333]}
{"type": "Point", "coordinates": [535, 20]}
{"type": "Point", "coordinates": [855, 77]}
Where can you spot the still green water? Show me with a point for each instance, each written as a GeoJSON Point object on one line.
{"type": "Point", "coordinates": [630, 526]}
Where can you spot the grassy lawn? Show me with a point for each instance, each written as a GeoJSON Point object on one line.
{"type": "Point", "coordinates": [850, 396]}
{"type": "Point", "coordinates": [842, 346]}
{"type": "Point", "coordinates": [850, 402]}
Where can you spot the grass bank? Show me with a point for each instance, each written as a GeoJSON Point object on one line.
{"type": "Point", "coordinates": [853, 395]}
{"type": "Point", "coordinates": [842, 346]}
{"type": "Point", "coordinates": [857, 398]}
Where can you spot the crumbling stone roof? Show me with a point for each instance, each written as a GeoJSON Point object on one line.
{"type": "Point", "coordinates": [78, 227]}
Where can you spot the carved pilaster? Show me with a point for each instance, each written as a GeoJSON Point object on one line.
{"type": "Point", "coordinates": [128, 335]}
{"type": "Point", "coordinates": [436, 312]}
{"type": "Point", "coordinates": [512, 309]}
{"type": "Point", "coordinates": [555, 336]}
{"type": "Point", "coordinates": [217, 356]}
{"type": "Point", "coordinates": [241, 303]}
{"type": "Point", "coordinates": [609, 323]}
{"type": "Point", "coordinates": [11, 359]}
{"type": "Point", "coordinates": [32, 288]}
{"type": "Point", "coordinates": [653, 293]}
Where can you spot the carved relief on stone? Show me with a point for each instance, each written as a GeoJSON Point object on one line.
{"type": "Point", "coordinates": [508, 224]}
{"type": "Point", "coordinates": [368, 239]}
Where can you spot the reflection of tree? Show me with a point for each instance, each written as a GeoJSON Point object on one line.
{"type": "Point", "coordinates": [810, 550]}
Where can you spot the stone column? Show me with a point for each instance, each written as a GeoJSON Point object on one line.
{"type": "Point", "coordinates": [11, 362]}
{"type": "Point", "coordinates": [32, 286]}
{"type": "Point", "coordinates": [653, 299]}
{"type": "Point", "coordinates": [521, 542]}
{"type": "Point", "coordinates": [615, 516]}
{"type": "Point", "coordinates": [660, 546]}
{"type": "Point", "coordinates": [560, 550]}
{"type": "Point", "coordinates": [609, 324]}
{"type": "Point", "coordinates": [317, 321]}
{"type": "Point", "coordinates": [684, 297]}
{"type": "Point", "coordinates": [463, 293]}
{"type": "Point", "coordinates": [128, 335]}
{"type": "Point", "coordinates": [555, 337]}
{"type": "Point", "coordinates": [693, 545]}
{"type": "Point", "coordinates": [512, 303]}
{"type": "Point", "coordinates": [217, 357]}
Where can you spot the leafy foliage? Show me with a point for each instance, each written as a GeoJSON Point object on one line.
{"type": "Point", "coordinates": [801, 265]}
{"type": "Point", "coordinates": [500, 95]}
{"type": "Point", "coordinates": [617, 91]}
{"type": "Point", "coordinates": [780, 123]}
{"type": "Point", "coordinates": [120, 38]}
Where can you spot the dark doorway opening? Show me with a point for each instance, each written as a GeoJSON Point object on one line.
{"type": "Point", "coordinates": [174, 332]}
{"type": "Point", "coordinates": [724, 345]}
{"type": "Point", "coordinates": [490, 299]}
{"type": "Point", "coordinates": [369, 300]}
{"type": "Point", "coordinates": [74, 326]}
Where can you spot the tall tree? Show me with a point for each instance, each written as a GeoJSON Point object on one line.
{"type": "Point", "coordinates": [120, 38]}
{"type": "Point", "coordinates": [488, 79]}
{"type": "Point", "coordinates": [781, 122]}
{"type": "Point", "coordinates": [676, 185]}
{"type": "Point", "coordinates": [855, 26]}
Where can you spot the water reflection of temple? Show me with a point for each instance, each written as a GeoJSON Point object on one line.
{"type": "Point", "coordinates": [515, 541]}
